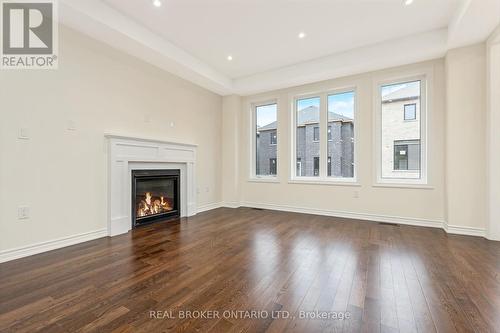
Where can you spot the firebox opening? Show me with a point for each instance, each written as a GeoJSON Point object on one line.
{"type": "Point", "coordinates": [155, 195]}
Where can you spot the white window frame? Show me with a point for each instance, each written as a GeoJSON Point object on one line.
{"type": "Point", "coordinates": [253, 151]}
{"type": "Point", "coordinates": [323, 178]}
{"type": "Point", "coordinates": [426, 83]}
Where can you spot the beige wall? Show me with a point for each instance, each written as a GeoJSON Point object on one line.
{"type": "Point", "coordinates": [101, 90]}
{"type": "Point", "coordinates": [465, 136]}
{"type": "Point", "coordinates": [412, 203]}
{"type": "Point", "coordinates": [493, 135]}
{"type": "Point", "coordinates": [230, 146]}
{"type": "Point", "coordinates": [61, 174]}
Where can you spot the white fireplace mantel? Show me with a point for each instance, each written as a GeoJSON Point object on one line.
{"type": "Point", "coordinates": [130, 153]}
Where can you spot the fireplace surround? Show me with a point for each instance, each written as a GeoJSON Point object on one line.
{"type": "Point", "coordinates": [129, 154]}
{"type": "Point", "coordinates": [155, 195]}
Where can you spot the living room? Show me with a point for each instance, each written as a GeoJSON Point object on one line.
{"type": "Point", "coordinates": [274, 166]}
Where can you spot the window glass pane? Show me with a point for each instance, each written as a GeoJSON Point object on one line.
{"type": "Point", "coordinates": [299, 167]}
{"type": "Point", "coordinates": [307, 147]}
{"type": "Point", "coordinates": [273, 137]}
{"type": "Point", "coordinates": [266, 139]}
{"type": "Point", "coordinates": [410, 111]}
{"type": "Point", "coordinates": [316, 166]}
{"type": "Point", "coordinates": [400, 157]}
{"type": "Point", "coordinates": [341, 135]}
{"type": "Point", "coordinates": [316, 134]}
{"type": "Point", "coordinates": [401, 150]}
{"type": "Point", "coordinates": [272, 166]}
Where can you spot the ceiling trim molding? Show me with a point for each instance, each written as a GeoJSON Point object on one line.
{"type": "Point", "coordinates": [495, 36]}
{"type": "Point", "coordinates": [392, 53]}
{"type": "Point", "coordinates": [105, 24]}
{"type": "Point", "coordinates": [473, 22]}
{"type": "Point", "coordinates": [458, 17]}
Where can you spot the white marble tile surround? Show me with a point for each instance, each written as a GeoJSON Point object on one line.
{"type": "Point", "coordinates": [129, 153]}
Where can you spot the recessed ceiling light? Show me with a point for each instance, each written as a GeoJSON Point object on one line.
{"type": "Point", "coordinates": [302, 35]}
{"type": "Point", "coordinates": [229, 57]}
{"type": "Point", "coordinates": [157, 3]}
{"type": "Point", "coordinates": [408, 2]}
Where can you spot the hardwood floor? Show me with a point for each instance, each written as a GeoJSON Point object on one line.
{"type": "Point", "coordinates": [384, 278]}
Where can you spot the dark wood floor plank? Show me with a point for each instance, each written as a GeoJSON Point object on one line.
{"type": "Point", "coordinates": [385, 278]}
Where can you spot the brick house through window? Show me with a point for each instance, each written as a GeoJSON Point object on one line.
{"type": "Point", "coordinates": [308, 147]}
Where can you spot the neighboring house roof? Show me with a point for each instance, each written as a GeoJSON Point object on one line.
{"type": "Point", "coordinates": [267, 127]}
{"type": "Point", "coordinates": [407, 92]}
{"type": "Point", "coordinates": [309, 115]}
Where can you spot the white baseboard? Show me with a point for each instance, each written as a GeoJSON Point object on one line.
{"type": "Point", "coordinates": [349, 215]}
{"type": "Point", "coordinates": [229, 204]}
{"type": "Point", "coordinates": [451, 229]}
{"type": "Point", "coordinates": [468, 231]}
{"type": "Point", "coordinates": [21, 252]}
{"type": "Point", "coordinates": [204, 208]}
{"type": "Point", "coordinates": [29, 250]}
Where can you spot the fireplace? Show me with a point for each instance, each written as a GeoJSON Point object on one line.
{"type": "Point", "coordinates": [155, 195]}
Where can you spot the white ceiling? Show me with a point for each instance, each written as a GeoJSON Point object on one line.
{"type": "Point", "coordinates": [192, 38]}
{"type": "Point", "coordinates": [262, 34]}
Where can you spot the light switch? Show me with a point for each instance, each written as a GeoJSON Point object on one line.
{"type": "Point", "coordinates": [23, 133]}
{"type": "Point", "coordinates": [23, 213]}
{"type": "Point", "coordinates": [71, 125]}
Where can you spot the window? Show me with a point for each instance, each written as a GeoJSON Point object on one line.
{"type": "Point", "coordinates": [316, 134]}
{"type": "Point", "coordinates": [407, 155]}
{"type": "Point", "coordinates": [307, 131]}
{"type": "Point", "coordinates": [272, 166]}
{"type": "Point", "coordinates": [340, 146]}
{"type": "Point", "coordinates": [299, 167]}
{"type": "Point", "coordinates": [325, 136]}
{"type": "Point", "coordinates": [410, 111]}
{"type": "Point", "coordinates": [273, 137]}
{"type": "Point", "coordinates": [401, 145]}
{"type": "Point", "coordinates": [265, 125]}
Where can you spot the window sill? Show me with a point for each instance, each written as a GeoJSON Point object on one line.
{"type": "Point", "coordinates": [274, 180]}
{"type": "Point", "coordinates": [325, 182]}
{"type": "Point", "coordinates": [404, 185]}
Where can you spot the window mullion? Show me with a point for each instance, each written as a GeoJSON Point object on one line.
{"type": "Point", "coordinates": [323, 136]}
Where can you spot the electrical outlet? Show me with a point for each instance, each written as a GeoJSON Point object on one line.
{"type": "Point", "coordinates": [23, 213]}
{"type": "Point", "coordinates": [198, 190]}
{"type": "Point", "coordinates": [207, 189]}
{"type": "Point", "coordinates": [355, 195]}
{"type": "Point", "coordinates": [71, 126]}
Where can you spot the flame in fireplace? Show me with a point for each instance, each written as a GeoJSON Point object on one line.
{"type": "Point", "coordinates": [151, 205]}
